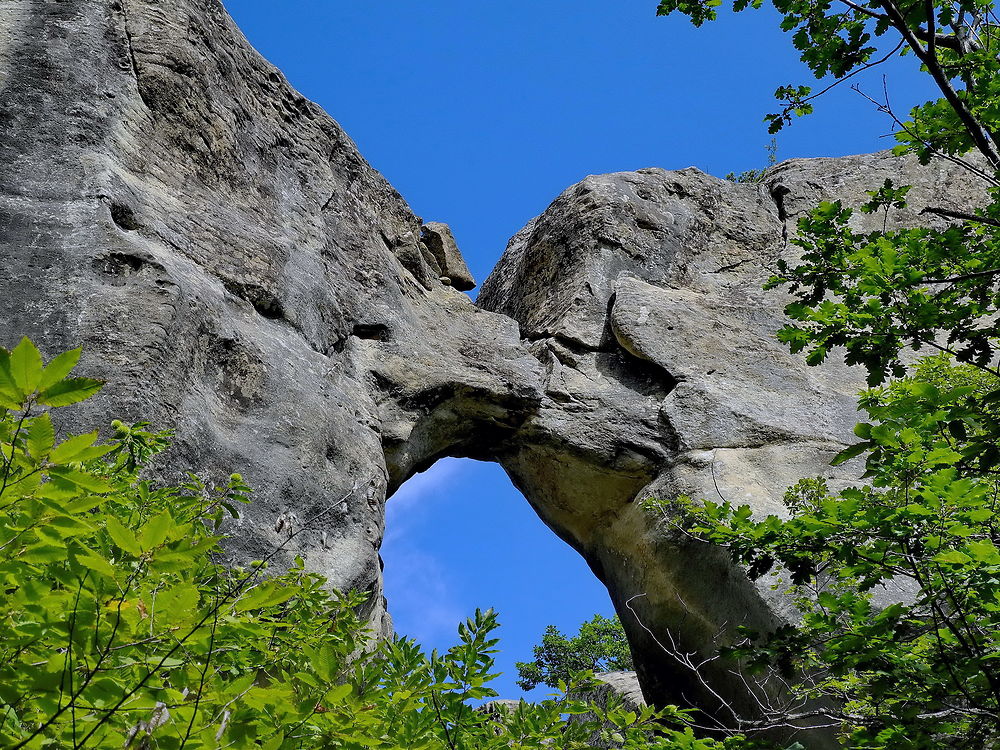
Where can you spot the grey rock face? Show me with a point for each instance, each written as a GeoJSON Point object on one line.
{"type": "Point", "coordinates": [440, 241]}
{"type": "Point", "coordinates": [624, 685]}
{"type": "Point", "coordinates": [641, 295]}
{"type": "Point", "coordinates": [235, 270]}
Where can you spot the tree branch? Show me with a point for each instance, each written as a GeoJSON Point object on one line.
{"type": "Point", "coordinates": [963, 277]}
{"type": "Point", "coordinates": [948, 41]}
{"type": "Point", "coordinates": [961, 215]}
{"type": "Point", "coordinates": [972, 126]}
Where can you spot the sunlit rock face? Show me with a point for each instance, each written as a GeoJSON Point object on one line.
{"type": "Point", "coordinates": [641, 294]}
{"type": "Point", "coordinates": [237, 272]}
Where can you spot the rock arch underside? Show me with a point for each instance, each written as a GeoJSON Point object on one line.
{"type": "Point", "coordinates": [236, 271]}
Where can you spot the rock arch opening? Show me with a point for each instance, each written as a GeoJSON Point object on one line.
{"type": "Point", "coordinates": [460, 536]}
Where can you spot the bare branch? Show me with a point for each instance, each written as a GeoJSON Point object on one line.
{"type": "Point", "coordinates": [963, 277]}
{"type": "Point", "coordinates": [886, 108]}
{"type": "Point", "coordinates": [859, 69]}
{"type": "Point", "coordinates": [961, 215]}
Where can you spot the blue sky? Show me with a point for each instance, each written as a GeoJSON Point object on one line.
{"type": "Point", "coordinates": [459, 536]}
{"type": "Point", "coordinates": [480, 114]}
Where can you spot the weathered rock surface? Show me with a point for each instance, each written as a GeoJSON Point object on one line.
{"type": "Point", "coordinates": [237, 271]}
{"type": "Point", "coordinates": [614, 689]}
{"type": "Point", "coordinates": [641, 295]}
{"type": "Point", "coordinates": [441, 242]}
{"type": "Point", "coordinates": [622, 685]}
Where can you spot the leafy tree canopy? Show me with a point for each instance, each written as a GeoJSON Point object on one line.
{"type": "Point", "coordinates": [599, 646]}
{"type": "Point", "coordinates": [955, 43]}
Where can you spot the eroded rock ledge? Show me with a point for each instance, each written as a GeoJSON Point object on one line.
{"type": "Point", "coordinates": [236, 270]}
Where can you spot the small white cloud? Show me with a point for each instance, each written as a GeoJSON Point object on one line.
{"type": "Point", "coordinates": [420, 597]}
{"type": "Point", "coordinates": [415, 498]}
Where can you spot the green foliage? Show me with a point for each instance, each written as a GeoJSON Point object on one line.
{"type": "Point", "coordinates": [873, 294]}
{"type": "Point", "coordinates": [922, 670]}
{"type": "Point", "coordinates": [756, 176]}
{"type": "Point", "coordinates": [897, 580]}
{"type": "Point", "coordinates": [599, 646]}
{"type": "Point", "coordinates": [955, 42]}
{"type": "Point", "coordinates": [119, 629]}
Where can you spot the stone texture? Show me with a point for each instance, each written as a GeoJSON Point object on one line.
{"type": "Point", "coordinates": [236, 271]}
{"type": "Point", "coordinates": [641, 295]}
{"type": "Point", "coordinates": [623, 685]}
{"type": "Point", "coordinates": [441, 242]}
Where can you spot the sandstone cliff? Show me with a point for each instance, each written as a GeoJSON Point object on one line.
{"type": "Point", "coordinates": [237, 271]}
{"type": "Point", "coordinates": [641, 295]}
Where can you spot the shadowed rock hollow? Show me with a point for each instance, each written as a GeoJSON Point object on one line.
{"type": "Point", "coordinates": [235, 270]}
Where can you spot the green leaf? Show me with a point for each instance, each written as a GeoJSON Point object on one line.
{"type": "Point", "coordinates": [926, 391]}
{"type": "Point", "coordinates": [10, 400]}
{"type": "Point", "coordinates": [41, 436]}
{"type": "Point", "coordinates": [123, 537]}
{"type": "Point", "coordinates": [43, 552]}
{"type": "Point", "coordinates": [323, 662]}
{"type": "Point", "coordinates": [26, 366]}
{"type": "Point", "coordinates": [59, 368]}
{"type": "Point", "coordinates": [94, 451]}
{"type": "Point", "coordinates": [84, 504]}
{"type": "Point", "coordinates": [960, 530]}
{"type": "Point", "coordinates": [71, 481]}
{"type": "Point", "coordinates": [952, 557]}
{"type": "Point", "coordinates": [92, 561]}
{"type": "Point", "coordinates": [985, 552]}
{"type": "Point", "coordinates": [155, 531]}
{"type": "Point", "coordinates": [70, 391]}
{"type": "Point", "coordinates": [183, 555]}
{"type": "Point", "coordinates": [8, 388]}
{"type": "Point", "coordinates": [178, 604]}
{"type": "Point", "coordinates": [848, 453]}
{"type": "Point", "coordinates": [69, 449]}
{"type": "Point", "coordinates": [267, 594]}
{"type": "Point", "coordinates": [67, 526]}
{"type": "Point", "coordinates": [338, 694]}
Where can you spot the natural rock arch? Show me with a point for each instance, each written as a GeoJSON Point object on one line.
{"type": "Point", "coordinates": [236, 270]}
{"type": "Point", "coordinates": [459, 537]}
